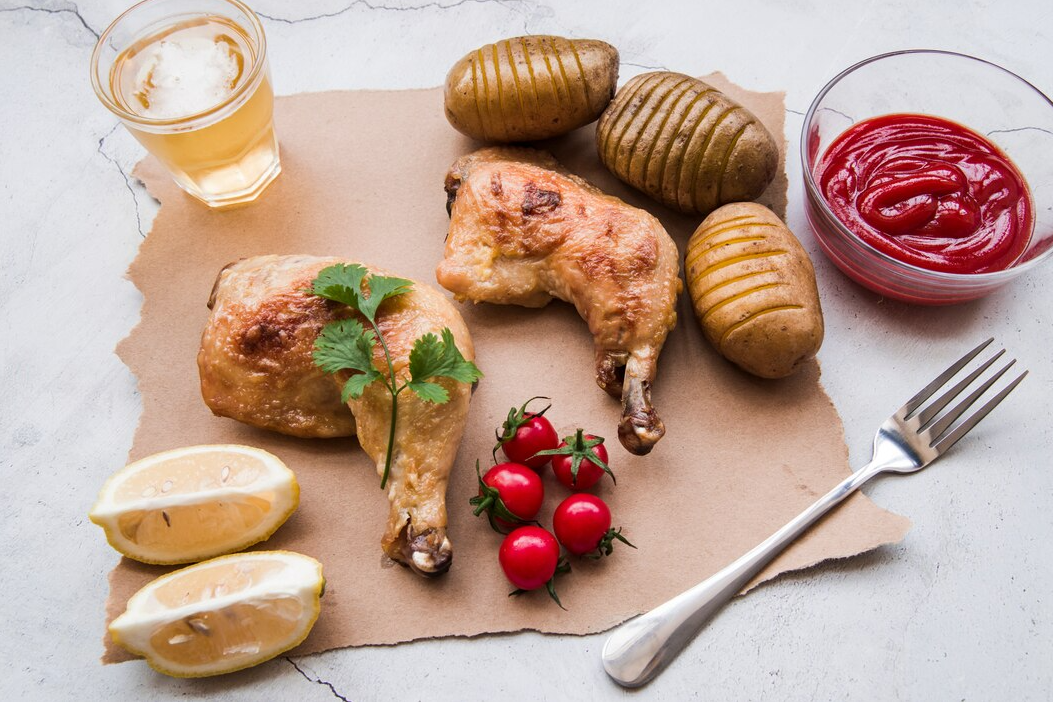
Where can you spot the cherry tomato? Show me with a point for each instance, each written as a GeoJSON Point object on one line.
{"type": "Point", "coordinates": [524, 433]}
{"type": "Point", "coordinates": [529, 556]}
{"type": "Point", "coordinates": [535, 434]}
{"type": "Point", "coordinates": [578, 449]}
{"type": "Point", "coordinates": [519, 494]}
{"type": "Point", "coordinates": [582, 523]}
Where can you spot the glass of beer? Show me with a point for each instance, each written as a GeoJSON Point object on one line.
{"type": "Point", "coordinates": [189, 79]}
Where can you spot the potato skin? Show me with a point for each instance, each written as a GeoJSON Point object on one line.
{"type": "Point", "coordinates": [685, 143]}
{"type": "Point", "coordinates": [530, 88]}
{"type": "Point", "coordinates": [753, 289]}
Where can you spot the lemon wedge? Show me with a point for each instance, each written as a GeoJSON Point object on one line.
{"type": "Point", "coordinates": [193, 503]}
{"type": "Point", "coordinates": [222, 615]}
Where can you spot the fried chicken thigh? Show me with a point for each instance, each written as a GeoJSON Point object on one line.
{"type": "Point", "coordinates": [523, 231]}
{"type": "Point", "coordinates": [256, 367]}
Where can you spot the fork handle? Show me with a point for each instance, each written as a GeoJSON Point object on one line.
{"type": "Point", "coordinates": [637, 650]}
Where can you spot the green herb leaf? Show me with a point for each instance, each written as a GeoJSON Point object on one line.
{"type": "Point", "coordinates": [343, 283]}
{"type": "Point", "coordinates": [435, 358]}
{"type": "Point", "coordinates": [429, 392]}
{"type": "Point", "coordinates": [382, 287]}
{"type": "Point", "coordinates": [356, 385]}
{"type": "Point", "coordinates": [347, 345]}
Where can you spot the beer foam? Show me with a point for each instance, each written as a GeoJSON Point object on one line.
{"type": "Point", "coordinates": [186, 75]}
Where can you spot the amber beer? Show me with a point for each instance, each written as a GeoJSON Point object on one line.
{"type": "Point", "coordinates": [189, 80]}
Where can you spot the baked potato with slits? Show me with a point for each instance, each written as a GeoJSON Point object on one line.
{"type": "Point", "coordinates": [530, 88]}
{"type": "Point", "coordinates": [685, 143]}
{"type": "Point", "coordinates": [753, 289]}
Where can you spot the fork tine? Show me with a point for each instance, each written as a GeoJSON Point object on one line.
{"type": "Point", "coordinates": [940, 427]}
{"type": "Point", "coordinates": [926, 392]}
{"type": "Point", "coordinates": [947, 441]}
{"type": "Point", "coordinates": [926, 415]}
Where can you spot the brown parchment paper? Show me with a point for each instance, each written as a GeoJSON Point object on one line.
{"type": "Point", "coordinates": [362, 178]}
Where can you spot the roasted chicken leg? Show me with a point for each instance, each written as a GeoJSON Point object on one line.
{"type": "Point", "coordinates": [523, 231]}
{"type": "Point", "coordinates": [255, 365]}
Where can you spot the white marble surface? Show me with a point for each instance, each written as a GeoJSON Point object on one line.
{"type": "Point", "coordinates": [961, 610]}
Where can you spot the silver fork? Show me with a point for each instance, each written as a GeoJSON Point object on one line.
{"type": "Point", "coordinates": [912, 438]}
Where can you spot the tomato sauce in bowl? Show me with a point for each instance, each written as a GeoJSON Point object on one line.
{"type": "Point", "coordinates": [928, 192]}
{"type": "Point", "coordinates": [909, 203]}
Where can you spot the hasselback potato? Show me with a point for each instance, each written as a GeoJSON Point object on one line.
{"type": "Point", "coordinates": [753, 289]}
{"type": "Point", "coordinates": [685, 143]}
{"type": "Point", "coordinates": [530, 88]}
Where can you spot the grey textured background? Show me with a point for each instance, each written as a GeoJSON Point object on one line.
{"type": "Point", "coordinates": [961, 610]}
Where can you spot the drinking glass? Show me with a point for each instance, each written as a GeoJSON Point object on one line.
{"type": "Point", "coordinates": [190, 81]}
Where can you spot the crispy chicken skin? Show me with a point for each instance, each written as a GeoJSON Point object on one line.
{"type": "Point", "coordinates": [256, 367]}
{"type": "Point", "coordinates": [523, 231]}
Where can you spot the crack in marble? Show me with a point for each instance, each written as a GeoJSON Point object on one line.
{"type": "Point", "coordinates": [837, 112]}
{"type": "Point", "coordinates": [127, 178]}
{"type": "Point", "coordinates": [1019, 129]}
{"type": "Point", "coordinates": [317, 680]}
{"type": "Point", "coordinates": [644, 66]}
{"type": "Point", "coordinates": [371, 6]}
{"type": "Point", "coordinates": [73, 10]}
{"type": "Point", "coordinates": [527, 17]}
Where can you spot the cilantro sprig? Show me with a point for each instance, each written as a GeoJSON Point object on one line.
{"type": "Point", "coordinates": [347, 344]}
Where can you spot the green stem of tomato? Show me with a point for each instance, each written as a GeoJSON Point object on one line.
{"type": "Point", "coordinates": [482, 504]}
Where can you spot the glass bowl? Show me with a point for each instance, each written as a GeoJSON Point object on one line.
{"type": "Point", "coordinates": [1003, 107]}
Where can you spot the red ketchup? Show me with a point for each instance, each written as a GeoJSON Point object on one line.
{"type": "Point", "coordinates": [928, 192]}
